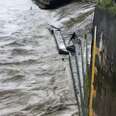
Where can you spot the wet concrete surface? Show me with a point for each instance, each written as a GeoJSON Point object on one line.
{"type": "Point", "coordinates": [33, 77]}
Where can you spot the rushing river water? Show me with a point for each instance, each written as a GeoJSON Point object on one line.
{"type": "Point", "coordinates": [33, 77]}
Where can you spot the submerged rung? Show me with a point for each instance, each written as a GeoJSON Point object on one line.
{"type": "Point", "coordinates": [59, 42]}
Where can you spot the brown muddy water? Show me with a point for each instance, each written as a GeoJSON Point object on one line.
{"type": "Point", "coordinates": [34, 80]}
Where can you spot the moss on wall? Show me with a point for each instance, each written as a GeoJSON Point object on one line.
{"type": "Point", "coordinates": [109, 5]}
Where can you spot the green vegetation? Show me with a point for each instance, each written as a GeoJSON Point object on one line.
{"type": "Point", "coordinates": [109, 5]}
{"type": "Point", "coordinates": [105, 3]}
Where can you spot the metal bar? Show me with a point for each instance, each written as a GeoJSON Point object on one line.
{"type": "Point", "coordinates": [91, 112]}
{"type": "Point", "coordinates": [52, 26]}
{"type": "Point", "coordinates": [59, 43]}
{"type": "Point", "coordinates": [86, 75]}
{"type": "Point", "coordinates": [82, 62]}
{"type": "Point", "coordinates": [63, 39]}
{"type": "Point", "coordinates": [74, 84]}
{"type": "Point", "coordinates": [86, 45]}
{"type": "Point", "coordinates": [56, 41]}
{"type": "Point", "coordinates": [59, 30]}
{"type": "Point", "coordinates": [84, 78]}
{"type": "Point", "coordinates": [79, 79]}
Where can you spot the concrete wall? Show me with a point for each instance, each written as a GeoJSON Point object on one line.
{"type": "Point", "coordinates": [105, 84]}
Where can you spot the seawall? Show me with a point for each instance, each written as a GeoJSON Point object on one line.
{"type": "Point", "coordinates": [105, 82]}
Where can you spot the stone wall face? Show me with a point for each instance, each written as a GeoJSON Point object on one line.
{"type": "Point", "coordinates": [105, 82]}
